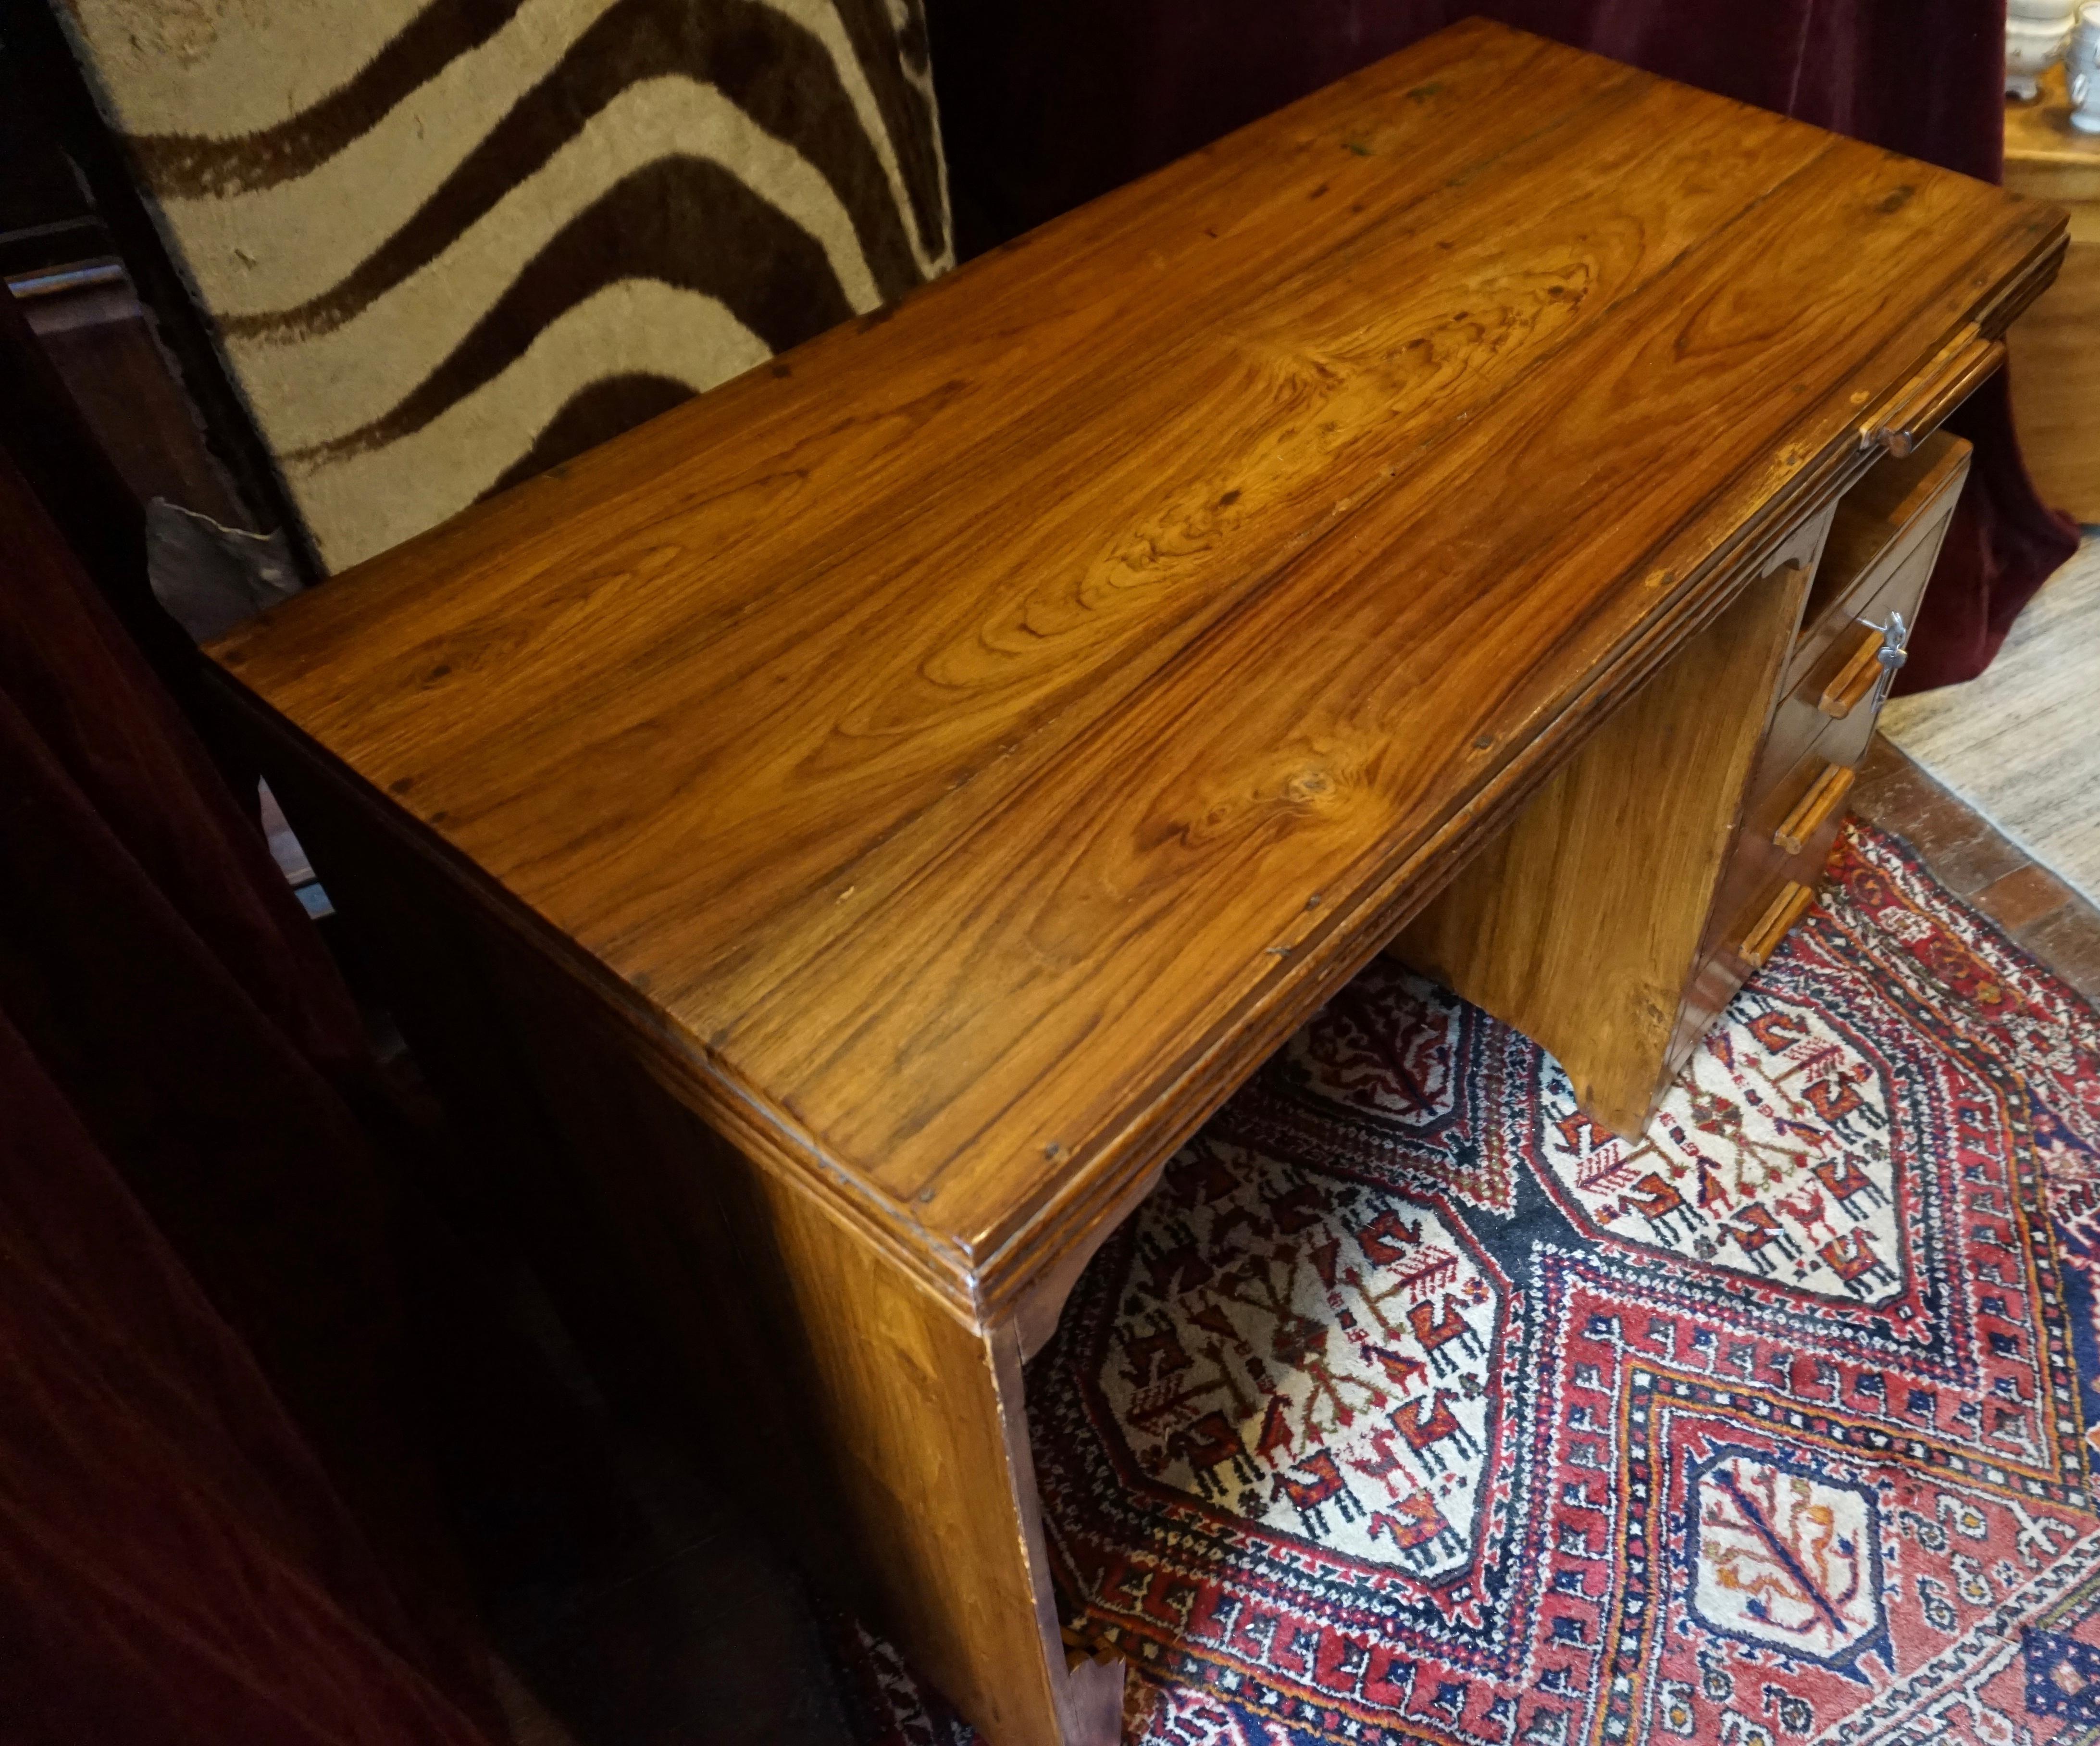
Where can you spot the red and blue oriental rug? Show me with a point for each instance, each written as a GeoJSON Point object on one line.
{"type": "Point", "coordinates": [1413, 1407]}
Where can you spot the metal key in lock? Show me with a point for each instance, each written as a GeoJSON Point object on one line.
{"type": "Point", "coordinates": [1893, 653]}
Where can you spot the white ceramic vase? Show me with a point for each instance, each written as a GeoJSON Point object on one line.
{"type": "Point", "coordinates": [2036, 34]}
{"type": "Point", "coordinates": [2081, 69]}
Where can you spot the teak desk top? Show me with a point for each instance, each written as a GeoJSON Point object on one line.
{"type": "Point", "coordinates": [972, 742]}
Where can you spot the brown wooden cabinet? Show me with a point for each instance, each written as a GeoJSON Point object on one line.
{"type": "Point", "coordinates": [1884, 540]}
{"type": "Point", "coordinates": [839, 839]}
{"type": "Point", "coordinates": [2056, 346]}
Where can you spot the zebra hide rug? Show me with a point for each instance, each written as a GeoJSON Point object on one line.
{"type": "Point", "coordinates": [445, 244]}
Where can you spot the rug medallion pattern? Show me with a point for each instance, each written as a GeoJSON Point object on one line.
{"type": "Point", "coordinates": [1412, 1407]}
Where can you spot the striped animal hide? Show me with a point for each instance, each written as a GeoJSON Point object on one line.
{"type": "Point", "coordinates": [445, 244]}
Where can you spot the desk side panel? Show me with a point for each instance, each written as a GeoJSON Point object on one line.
{"type": "Point", "coordinates": [1581, 924]}
{"type": "Point", "coordinates": [882, 1436]}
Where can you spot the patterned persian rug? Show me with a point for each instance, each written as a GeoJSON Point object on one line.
{"type": "Point", "coordinates": [1413, 1407]}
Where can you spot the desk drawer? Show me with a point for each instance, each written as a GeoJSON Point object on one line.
{"type": "Point", "coordinates": [1899, 510]}
{"type": "Point", "coordinates": [1833, 706]}
{"type": "Point", "coordinates": [1786, 836]}
{"type": "Point", "coordinates": [1835, 682]}
{"type": "Point", "coordinates": [1793, 836]}
{"type": "Point", "coordinates": [1883, 542]}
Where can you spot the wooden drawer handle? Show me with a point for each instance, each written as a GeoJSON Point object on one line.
{"type": "Point", "coordinates": [1817, 806]}
{"type": "Point", "coordinates": [1934, 393]}
{"type": "Point", "coordinates": [1854, 679]}
{"type": "Point", "coordinates": [1786, 909]}
{"type": "Point", "coordinates": [1885, 648]}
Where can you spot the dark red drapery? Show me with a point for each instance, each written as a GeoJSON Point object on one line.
{"type": "Point", "coordinates": [175, 1566]}
{"type": "Point", "coordinates": [1046, 105]}
{"type": "Point", "coordinates": [214, 1525]}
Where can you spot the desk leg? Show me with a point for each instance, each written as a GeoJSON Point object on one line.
{"type": "Point", "coordinates": [888, 1434]}
{"type": "Point", "coordinates": [927, 1423]}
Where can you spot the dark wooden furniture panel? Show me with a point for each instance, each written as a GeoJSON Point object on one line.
{"type": "Point", "coordinates": [2056, 358]}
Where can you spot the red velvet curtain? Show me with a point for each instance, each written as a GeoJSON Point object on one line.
{"type": "Point", "coordinates": [215, 1526]}
{"type": "Point", "coordinates": [174, 1565]}
{"type": "Point", "coordinates": [1046, 103]}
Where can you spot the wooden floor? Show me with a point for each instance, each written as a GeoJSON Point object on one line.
{"type": "Point", "coordinates": [2021, 745]}
{"type": "Point", "coordinates": [644, 1607]}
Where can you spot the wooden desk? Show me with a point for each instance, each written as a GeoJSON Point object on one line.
{"type": "Point", "coordinates": [843, 836]}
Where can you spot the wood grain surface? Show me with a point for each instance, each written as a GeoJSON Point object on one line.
{"type": "Point", "coordinates": [1581, 924]}
{"type": "Point", "coordinates": [965, 746]}
{"type": "Point", "coordinates": [2056, 346]}
{"type": "Point", "coordinates": [2020, 745]}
